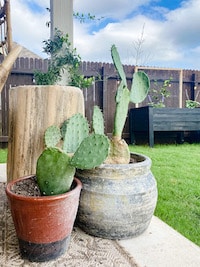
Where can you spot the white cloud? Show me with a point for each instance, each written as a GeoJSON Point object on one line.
{"type": "Point", "coordinates": [167, 42]}
{"type": "Point", "coordinates": [171, 41]}
{"type": "Point", "coordinates": [28, 28]}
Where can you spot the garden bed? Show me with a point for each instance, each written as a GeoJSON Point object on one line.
{"type": "Point", "coordinates": [150, 120]}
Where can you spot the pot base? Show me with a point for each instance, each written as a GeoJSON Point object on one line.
{"type": "Point", "coordinates": [115, 232]}
{"type": "Point", "coordinates": [43, 252]}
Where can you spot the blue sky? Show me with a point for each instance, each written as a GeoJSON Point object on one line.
{"type": "Point", "coordinates": [170, 30]}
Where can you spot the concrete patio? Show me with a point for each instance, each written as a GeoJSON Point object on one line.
{"type": "Point", "coordinates": [159, 246]}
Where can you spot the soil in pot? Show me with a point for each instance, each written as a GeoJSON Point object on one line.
{"type": "Point", "coordinates": [43, 223]}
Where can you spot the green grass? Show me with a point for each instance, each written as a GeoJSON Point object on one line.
{"type": "Point", "coordinates": [177, 171]}
{"type": "Point", "coordinates": [3, 155]}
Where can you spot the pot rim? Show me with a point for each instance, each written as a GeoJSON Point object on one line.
{"type": "Point", "coordinates": [41, 198]}
{"type": "Point", "coordinates": [145, 160]}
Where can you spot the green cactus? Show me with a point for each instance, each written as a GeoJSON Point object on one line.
{"type": "Point", "coordinates": [140, 87]}
{"type": "Point", "coordinates": [119, 151]}
{"type": "Point", "coordinates": [52, 136]}
{"type": "Point", "coordinates": [79, 149]}
{"type": "Point", "coordinates": [91, 152]}
{"type": "Point", "coordinates": [139, 90]}
{"type": "Point", "coordinates": [118, 65]}
{"type": "Point", "coordinates": [74, 131]}
{"type": "Point", "coordinates": [54, 172]}
{"type": "Point", "coordinates": [97, 121]}
{"type": "Point", "coordinates": [56, 166]}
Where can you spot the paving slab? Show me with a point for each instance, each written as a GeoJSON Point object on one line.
{"type": "Point", "coordinates": [3, 172]}
{"type": "Point", "coordinates": [159, 246]}
{"type": "Point", "coordinates": [162, 246]}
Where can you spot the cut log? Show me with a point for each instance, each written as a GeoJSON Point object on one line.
{"type": "Point", "coordinates": [31, 110]}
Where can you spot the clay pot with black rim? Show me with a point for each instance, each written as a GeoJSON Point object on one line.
{"type": "Point", "coordinates": [43, 224]}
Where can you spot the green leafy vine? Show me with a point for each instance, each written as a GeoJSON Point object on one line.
{"type": "Point", "coordinates": [63, 57]}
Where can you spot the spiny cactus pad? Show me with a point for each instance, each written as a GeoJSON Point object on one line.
{"type": "Point", "coordinates": [118, 64]}
{"type": "Point", "coordinates": [76, 129]}
{"type": "Point", "coordinates": [121, 113]}
{"type": "Point", "coordinates": [119, 92]}
{"type": "Point", "coordinates": [52, 136]}
{"type": "Point", "coordinates": [140, 87]}
{"type": "Point", "coordinates": [54, 173]}
{"type": "Point", "coordinates": [97, 121]}
{"type": "Point", "coordinates": [92, 152]}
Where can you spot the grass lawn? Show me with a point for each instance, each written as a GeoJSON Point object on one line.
{"type": "Point", "coordinates": [3, 155]}
{"type": "Point", "coordinates": [177, 171]}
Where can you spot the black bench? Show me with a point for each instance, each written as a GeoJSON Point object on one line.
{"type": "Point", "coordinates": [150, 119]}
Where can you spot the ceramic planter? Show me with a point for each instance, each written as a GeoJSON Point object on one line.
{"type": "Point", "coordinates": [117, 201]}
{"type": "Point", "coordinates": [43, 224]}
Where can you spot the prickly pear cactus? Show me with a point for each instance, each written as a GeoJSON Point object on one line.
{"type": "Point", "coordinates": [52, 136]}
{"type": "Point", "coordinates": [119, 152]}
{"type": "Point", "coordinates": [74, 130]}
{"type": "Point", "coordinates": [92, 152]}
{"type": "Point", "coordinates": [140, 87]}
{"type": "Point", "coordinates": [55, 168]}
{"type": "Point", "coordinates": [97, 121]}
{"type": "Point", "coordinates": [118, 65]}
{"type": "Point", "coordinates": [54, 172]}
{"type": "Point", "coordinates": [121, 112]}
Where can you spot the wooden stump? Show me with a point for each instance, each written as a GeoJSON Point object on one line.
{"type": "Point", "coordinates": [31, 110]}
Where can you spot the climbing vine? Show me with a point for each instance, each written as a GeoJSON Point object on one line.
{"type": "Point", "coordinates": [62, 57]}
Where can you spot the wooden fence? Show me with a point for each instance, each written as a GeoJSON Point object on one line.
{"type": "Point", "coordinates": [102, 92]}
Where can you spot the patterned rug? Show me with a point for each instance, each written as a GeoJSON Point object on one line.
{"type": "Point", "coordinates": [84, 250]}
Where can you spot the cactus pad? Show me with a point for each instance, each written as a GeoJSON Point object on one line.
{"type": "Point", "coordinates": [97, 121]}
{"type": "Point", "coordinates": [92, 152]}
{"type": "Point", "coordinates": [140, 87]}
{"type": "Point", "coordinates": [52, 136]}
{"type": "Point", "coordinates": [118, 64]}
{"type": "Point", "coordinates": [54, 173]}
{"type": "Point", "coordinates": [119, 92]}
{"type": "Point", "coordinates": [121, 113]}
{"type": "Point", "coordinates": [76, 129]}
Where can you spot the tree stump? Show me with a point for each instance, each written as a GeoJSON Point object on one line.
{"type": "Point", "coordinates": [31, 110]}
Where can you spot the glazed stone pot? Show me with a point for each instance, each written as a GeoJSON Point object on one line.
{"type": "Point", "coordinates": [117, 200]}
{"type": "Point", "coordinates": [43, 224]}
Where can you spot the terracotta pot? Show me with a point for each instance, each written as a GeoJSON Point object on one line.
{"type": "Point", "coordinates": [43, 224]}
{"type": "Point", "coordinates": [117, 200]}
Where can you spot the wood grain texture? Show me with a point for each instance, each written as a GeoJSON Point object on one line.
{"type": "Point", "coordinates": [32, 110]}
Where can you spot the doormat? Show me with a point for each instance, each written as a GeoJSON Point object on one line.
{"type": "Point", "coordinates": [84, 250]}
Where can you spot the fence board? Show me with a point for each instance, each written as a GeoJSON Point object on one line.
{"type": "Point", "coordinates": [102, 92]}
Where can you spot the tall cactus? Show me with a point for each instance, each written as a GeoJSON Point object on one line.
{"type": "Point", "coordinates": [119, 151]}
{"type": "Point", "coordinates": [56, 166]}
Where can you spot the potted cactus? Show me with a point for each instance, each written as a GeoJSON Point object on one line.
{"type": "Point", "coordinates": [44, 217]}
{"type": "Point", "coordinates": [119, 197]}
